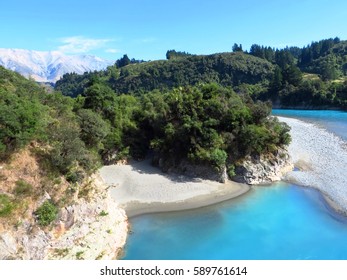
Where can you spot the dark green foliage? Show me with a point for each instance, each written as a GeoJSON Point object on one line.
{"type": "Point", "coordinates": [75, 176]}
{"type": "Point", "coordinates": [73, 84]}
{"type": "Point", "coordinates": [21, 113]}
{"type": "Point", "coordinates": [292, 75]}
{"type": "Point", "coordinates": [204, 124]}
{"type": "Point", "coordinates": [237, 48]}
{"type": "Point", "coordinates": [207, 124]}
{"type": "Point", "coordinates": [68, 150]}
{"type": "Point", "coordinates": [124, 61]}
{"type": "Point", "coordinates": [46, 213]}
{"type": "Point", "coordinates": [101, 99]}
{"type": "Point", "coordinates": [325, 57]}
{"type": "Point", "coordinates": [94, 129]}
{"type": "Point", "coordinates": [227, 69]}
{"type": "Point", "coordinates": [172, 54]}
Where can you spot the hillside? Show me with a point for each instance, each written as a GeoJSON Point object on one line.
{"type": "Point", "coordinates": [283, 76]}
{"type": "Point", "coordinates": [49, 66]}
{"type": "Point", "coordinates": [226, 69]}
{"type": "Point", "coordinates": [47, 186]}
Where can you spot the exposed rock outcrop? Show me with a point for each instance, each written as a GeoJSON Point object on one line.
{"type": "Point", "coordinates": [85, 230]}
{"type": "Point", "coordinates": [91, 226]}
{"type": "Point", "coordinates": [263, 169]}
{"type": "Point", "coordinates": [90, 230]}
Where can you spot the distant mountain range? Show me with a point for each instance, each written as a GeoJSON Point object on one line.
{"type": "Point", "coordinates": [49, 66]}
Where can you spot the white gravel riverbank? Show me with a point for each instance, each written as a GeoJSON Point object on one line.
{"type": "Point", "coordinates": [321, 158]}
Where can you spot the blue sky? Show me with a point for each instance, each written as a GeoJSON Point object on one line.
{"type": "Point", "coordinates": [147, 29]}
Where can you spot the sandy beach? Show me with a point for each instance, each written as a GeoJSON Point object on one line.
{"type": "Point", "coordinates": [140, 188]}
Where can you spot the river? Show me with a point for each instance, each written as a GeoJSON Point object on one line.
{"type": "Point", "coordinates": [281, 221]}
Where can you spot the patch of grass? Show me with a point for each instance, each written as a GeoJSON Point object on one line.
{"type": "Point", "coordinates": [46, 213]}
{"type": "Point", "coordinates": [6, 205]}
{"type": "Point", "coordinates": [103, 213]}
{"type": "Point", "coordinates": [57, 181]}
{"type": "Point", "coordinates": [85, 191]}
{"type": "Point", "coordinates": [310, 76]}
{"type": "Point", "coordinates": [22, 188]}
{"type": "Point", "coordinates": [99, 257]}
{"type": "Point", "coordinates": [61, 252]}
{"type": "Point", "coordinates": [79, 255]}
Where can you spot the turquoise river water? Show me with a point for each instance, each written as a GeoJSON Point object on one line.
{"type": "Point", "coordinates": [281, 221]}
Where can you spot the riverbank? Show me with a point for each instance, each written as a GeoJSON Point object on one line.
{"type": "Point", "coordinates": [320, 158]}
{"type": "Point", "coordinates": [140, 188]}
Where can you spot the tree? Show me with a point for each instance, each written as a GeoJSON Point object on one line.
{"type": "Point", "coordinates": [257, 50]}
{"type": "Point", "coordinates": [292, 75]}
{"type": "Point", "coordinates": [284, 58]}
{"type": "Point", "coordinates": [329, 67]}
{"type": "Point", "coordinates": [21, 120]}
{"type": "Point", "coordinates": [67, 149]}
{"type": "Point", "coordinates": [101, 99]}
{"type": "Point", "coordinates": [124, 61]}
{"type": "Point", "coordinates": [93, 128]}
{"type": "Point", "coordinates": [172, 54]}
{"type": "Point", "coordinates": [237, 48]}
{"type": "Point", "coordinates": [277, 80]}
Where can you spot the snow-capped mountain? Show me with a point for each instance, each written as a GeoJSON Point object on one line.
{"type": "Point", "coordinates": [49, 66]}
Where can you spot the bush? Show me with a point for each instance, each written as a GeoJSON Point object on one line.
{"type": "Point", "coordinates": [46, 213]}
{"type": "Point", "coordinates": [231, 171]}
{"type": "Point", "coordinates": [6, 205]}
{"type": "Point", "coordinates": [75, 176]}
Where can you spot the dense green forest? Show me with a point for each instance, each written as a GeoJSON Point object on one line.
{"type": "Point", "coordinates": [210, 109]}
{"type": "Point", "coordinates": [204, 124]}
{"type": "Point", "coordinates": [310, 77]}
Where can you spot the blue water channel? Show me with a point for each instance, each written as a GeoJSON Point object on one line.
{"type": "Point", "coordinates": [281, 221]}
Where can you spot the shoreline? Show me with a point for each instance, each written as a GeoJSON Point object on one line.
{"type": "Point", "coordinates": [140, 188]}
{"type": "Point", "coordinates": [319, 155]}
{"type": "Point", "coordinates": [137, 208]}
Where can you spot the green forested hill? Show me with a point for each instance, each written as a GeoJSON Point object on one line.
{"type": "Point", "coordinates": [309, 77]}
{"type": "Point", "coordinates": [226, 69]}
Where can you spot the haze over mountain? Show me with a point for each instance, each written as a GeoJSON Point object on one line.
{"type": "Point", "coordinates": [49, 66]}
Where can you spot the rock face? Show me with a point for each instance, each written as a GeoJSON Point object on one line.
{"type": "Point", "coordinates": [192, 170]}
{"type": "Point", "coordinates": [263, 169]}
{"type": "Point", "coordinates": [93, 228]}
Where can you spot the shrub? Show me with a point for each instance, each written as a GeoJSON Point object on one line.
{"type": "Point", "coordinates": [46, 213]}
{"type": "Point", "coordinates": [74, 176]}
{"type": "Point", "coordinates": [6, 205]}
{"type": "Point", "coordinates": [103, 213]}
{"type": "Point", "coordinates": [231, 171]}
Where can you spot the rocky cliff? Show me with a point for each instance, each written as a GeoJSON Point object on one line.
{"type": "Point", "coordinates": [90, 226]}
{"type": "Point", "coordinates": [253, 170]}
{"type": "Point", "coordinates": [263, 169]}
